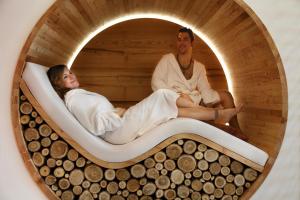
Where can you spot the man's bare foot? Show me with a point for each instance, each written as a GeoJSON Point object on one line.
{"type": "Point", "coordinates": [225, 115]}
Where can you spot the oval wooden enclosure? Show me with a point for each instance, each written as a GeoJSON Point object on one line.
{"type": "Point", "coordinates": [127, 53]}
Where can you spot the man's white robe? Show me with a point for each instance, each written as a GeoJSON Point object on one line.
{"type": "Point", "coordinates": [168, 75]}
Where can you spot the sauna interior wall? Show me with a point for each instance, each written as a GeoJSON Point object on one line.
{"type": "Point", "coordinates": [258, 80]}
{"type": "Point", "coordinates": [119, 61]}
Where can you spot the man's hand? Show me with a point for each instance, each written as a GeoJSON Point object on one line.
{"type": "Point", "coordinates": [185, 96]}
{"type": "Point", "coordinates": [120, 111]}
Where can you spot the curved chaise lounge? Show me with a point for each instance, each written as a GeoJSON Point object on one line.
{"type": "Point", "coordinates": [37, 81]}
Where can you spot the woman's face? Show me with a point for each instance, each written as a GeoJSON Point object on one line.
{"type": "Point", "coordinates": [69, 79]}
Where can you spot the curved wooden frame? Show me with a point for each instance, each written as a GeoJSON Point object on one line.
{"type": "Point", "coordinates": [23, 58]}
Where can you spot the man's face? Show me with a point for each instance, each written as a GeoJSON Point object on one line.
{"type": "Point", "coordinates": [184, 43]}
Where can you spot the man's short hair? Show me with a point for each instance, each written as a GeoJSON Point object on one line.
{"type": "Point", "coordinates": [187, 30]}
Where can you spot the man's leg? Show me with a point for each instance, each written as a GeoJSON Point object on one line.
{"type": "Point", "coordinates": [227, 101]}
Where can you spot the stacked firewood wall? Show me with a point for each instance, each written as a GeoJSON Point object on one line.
{"type": "Point", "coordinates": [185, 169]}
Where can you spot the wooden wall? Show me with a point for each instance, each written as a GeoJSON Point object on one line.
{"type": "Point", "coordinates": [119, 61]}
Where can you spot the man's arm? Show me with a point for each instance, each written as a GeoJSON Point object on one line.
{"type": "Point", "coordinates": [159, 76]}
{"type": "Point", "coordinates": [210, 96]}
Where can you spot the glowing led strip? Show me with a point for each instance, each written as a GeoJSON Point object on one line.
{"type": "Point", "coordinates": [162, 17]}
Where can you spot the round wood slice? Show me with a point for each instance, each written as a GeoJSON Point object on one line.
{"type": "Point", "coordinates": [198, 155]}
{"type": "Point", "coordinates": [59, 162]}
{"type": "Point", "coordinates": [63, 184]}
{"type": "Point", "coordinates": [133, 185]}
{"type": "Point", "coordinates": [125, 193]}
{"type": "Point", "coordinates": [225, 171]}
{"type": "Point", "coordinates": [188, 175]}
{"type": "Point", "coordinates": [159, 193]}
{"type": "Point", "coordinates": [38, 159]}
{"type": "Point", "coordinates": [160, 157]}
{"type": "Point", "coordinates": [173, 151]}
{"type": "Point", "coordinates": [152, 173]}
{"type": "Point", "coordinates": [236, 167]}
{"type": "Point", "coordinates": [169, 165]}
{"type": "Point", "coordinates": [239, 180]}
{"type": "Point", "coordinates": [44, 171]}
{"type": "Point", "coordinates": [132, 197]}
{"type": "Point", "coordinates": [104, 196]}
{"type": "Point", "coordinates": [138, 170]}
{"type": "Point", "coordinates": [109, 174]}
{"type": "Point", "coordinates": [186, 163]}
{"type": "Point", "coordinates": [197, 173]}
{"type": "Point", "coordinates": [218, 193]}
{"type": "Point", "coordinates": [45, 130]}
{"type": "Point", "coordinates": [162, 182]}
{"type": "Point", "coordinates": [149, 162]}
{"type": "Point", "coordinates": [46, 142]}
{"type": "Point", "coordinates": [183, 191]}
{"type": "Point", "coordinates": [247, 185]}
{"type": "Point", "coordinates": [170, 194]}
{"type": "Point", "coordinates": [59, 172]}
{"type": "Point", "coordinates": [112, 187]}
{"type": "Point", "coordinates": [205, 197]}
{"type": "Point", "coordinates": [250, 174]}
{"type": "Point", "coordinates": [239, 191]}
{"type": "Point", "coordinates": [220, 181]}
{"type": "Point", "coordinates": [80, 162]}
{"type": "Point", "coordinates": [122, 185]}
{"type": "Point", "coordinates": [24, 119]}
{"type": "Point", "coordinates": [122, 174]}
{"type": "Point", "coordinates": [117, 197]}
{"type": "Point", "coordinates": [180, 142]}
{"type": "Point", "coordinates": [230, 178]}
{"type": "Point", "coordinates": [215, 168]}
{"type": "Point", "coordinates": [51, 162]}
{"type": "Point", "coordinates": [39, 120]}
{"type": "Point", "coordinates": [77, 189]}
{"type": "Point", "coordinates": [93, 173]}
{"type": "Point", "coordinates": [202, 147]}
{"type": "Point", "coordinates": [23, 97]}
{"type": "Point", "coordinates": [26, 108]}
{"type": "Point", "coordinates": [34, 114]}
{"type": "Point", "coordinates": [54, 136]}
{"type": "Point", "coordinates": [229, 189]}
{"type": "Point", "coordinates": [149, 189]}
{"type": "Point", "coordinates": [208, 188]}
{"type": "Point", "coordinates": [34, 146]}
{"type": "Point", "coordinates": [72, 155]}
{"type": "Point", "coordinates": [159, 166]}
{"type": "Point", "coordinates": [227, 197]}
{"type": "Point", "coordinates": [211, 155]}
{"type": "Point", "coordinates": [50, 180]}
{"type": "Point", "coordinates": [197, 185]}
{"type": "Point", "coordinates": [189, 147]}
{"type": "Point", "coordinates": [196, 196]}
{"type": "Point", "coordinates": [143, 181]}
{"type": "Point", "coordinates": [32, 124]}
{"type": "Point", "coordinates": [86, 195]}
{"type": "Point", "coordinates": [68, 165]}
{"type": "Point", "coordinates": [224, 160]}
{"type": "Point", "coordinates": [67, 195]}
{"type": "Point", "coordinates": [206, 175]}
{"type": "Point", "coordinates": [203, 165]}
{"type": "Point", "coordinates": [45, 152]}
{"type": "Point", "coordinates": [103, 183]}
{"type": "Point", "coordinates": [58, 149]}
{"type": "Point", "coordinates": [86, 184]}
{"type": "Point", "coordinates": [76, 177]}
{"type": "Point", "coordinates": [177, 176]}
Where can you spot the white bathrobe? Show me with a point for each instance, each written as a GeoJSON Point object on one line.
{"type": "Point", "coordinates": [168, 75]}
{"type": "Point", "coordinates": [99, 117]}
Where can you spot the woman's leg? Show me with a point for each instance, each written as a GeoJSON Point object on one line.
{"type": "Point", "coordinates": [203, 113]}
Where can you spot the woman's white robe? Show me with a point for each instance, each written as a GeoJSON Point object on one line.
{"type": "Point", "coordinates": [99, 117]}
{"type": "Point", "coordinates": [168, 75]}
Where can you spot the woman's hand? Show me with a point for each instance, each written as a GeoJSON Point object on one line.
{"type": "Point", "coordinates": [120, 111]}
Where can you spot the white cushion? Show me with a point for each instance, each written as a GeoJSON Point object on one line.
{"type": "Point", "coordinates": [38, 83]}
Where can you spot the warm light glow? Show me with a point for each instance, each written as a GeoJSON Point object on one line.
{"type": "Point", "coordinates": [204, 37]}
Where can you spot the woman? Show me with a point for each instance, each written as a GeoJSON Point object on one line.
{"type": "Point", "coordinates": [118, 125]}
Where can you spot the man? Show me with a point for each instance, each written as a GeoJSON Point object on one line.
{"type": "Point", "coordinates": [186, 76]}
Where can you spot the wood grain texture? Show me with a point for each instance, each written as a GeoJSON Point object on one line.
{"type": "Point", "coordinates": [248, 50]}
